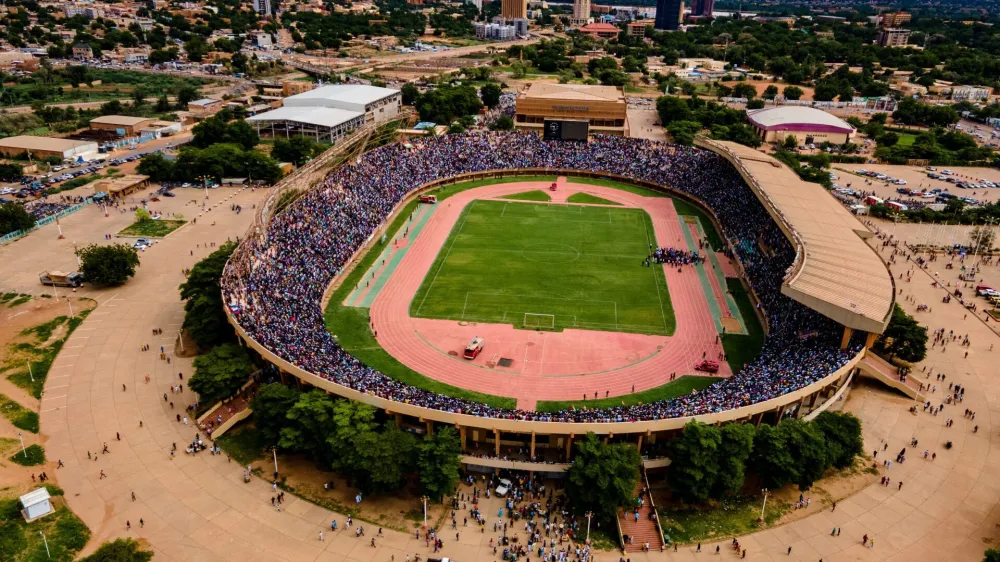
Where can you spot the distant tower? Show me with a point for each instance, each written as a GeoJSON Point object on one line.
{"type": "Point", "coordinates": [513, 9]}
{"type": "Point", "coordinates": [262, 7]}
{"type": "Point", "coordinates": [581, 10]}
{"type": "Point", "coordinates": [703, 8]}
{"type": "Point", "coordinates": [669, 14]}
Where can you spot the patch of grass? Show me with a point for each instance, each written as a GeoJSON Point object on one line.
{"type": "Point", "coordinates": [565, 267]}
{"type": "Point", "coordinates": [39, 356]}
{"type": "Point", "coordinates": [21, 541]}
{"type": "Point", "coordinates": [19, 301]}
{"type": "Point", "coordinates": [21, 417]}
{"type": "Point", "coordinates": [6, 297]}
{"type": "Point", "coordinates": [30, 456]}
{"type": "Point", "coordinates": [243, 443]}
{"type": "Point", "coordinates": [906, 139]}
{"type": "Point", "coordinates": [718, 521]}
{"type": "Point", "coordinates": [153, 228]}
{"type": "Point", "coordinates": [533, 195]}
{"type": "Point", "coordinates": [673, 389]}
{"type": "Point", "coordinates": [645, 192]}
{"type": "Point", "coordinates": [588, 199]}
{"type": "Point", "coordinates": [685, 208]}
{"type": "Point", "coordinates": [741, 349]}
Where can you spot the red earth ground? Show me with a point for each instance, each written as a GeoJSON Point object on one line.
{"type": "Point", "coordinates": [546, 365]}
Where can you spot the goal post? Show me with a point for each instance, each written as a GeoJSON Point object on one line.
{"type": "Point", "coordinates": [536, 320]}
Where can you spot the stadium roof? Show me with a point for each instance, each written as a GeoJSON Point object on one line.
{"type": "Point", "coordinates": [344, 93]}
{"type": "Point", "coordinates": [797, 118]}
{"type": "Point", "coordinates": [836, 273]}
{"type": "Point", "coordinates": [28, 142]}
{"type": "Point", "coordinates": [575, 92]}
{"type": "Point", "coordinates": [318, 116]}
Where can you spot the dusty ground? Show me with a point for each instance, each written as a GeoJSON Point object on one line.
{"type": "Point", "coordinates": [400, 511]}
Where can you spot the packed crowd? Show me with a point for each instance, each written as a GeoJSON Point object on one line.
{"type": "Point", "coordinates": [41, 208]}
{"type": "Point", "coordinates": [274, 283]}
{"type": "Point", "coordinates": [674, 256]}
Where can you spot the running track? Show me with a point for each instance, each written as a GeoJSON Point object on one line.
{"type": "Point", "coordinates": [548, 366]}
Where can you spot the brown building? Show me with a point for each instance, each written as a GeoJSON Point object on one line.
{"type": "Point", "coordinates": [604, 107]}
{"type": "Point", "coordinates": [894, 19]}
{"type": "Point", "coordinates": [600, 30]}
{"type": "Point", "coordinates": [44, 147]}
{"type": "Point", "coordinates": [293, 87]}
{"type": "Point", "coordinates": [892, 37]}
{"type": "Point", "coordinates": [121, 187]}
{"type": "Point", "coordinates": [513, 9]}
{"type": "Point", "coordinates": [637, 29]}
{"type": "Point", "coordinates": [205, 106]}
{"type": "Point", "coordinates": [122, 124]}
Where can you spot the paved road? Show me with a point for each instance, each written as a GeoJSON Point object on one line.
{"type": "Point", "coordinates": [197, 508]}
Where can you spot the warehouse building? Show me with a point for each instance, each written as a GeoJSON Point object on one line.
{"type": "Point", "coordinates": [45, 147]}
{"type": "Point", "coordinates": [603, 107]}
{"type": "Point", "coordinates": [123, 125]}
{"type": "Point", "coordinates": [377, 104]}
{"type": "Point", "coordinates": [807, 124]}
{"type": "Point", "coordinates": [330, 112]}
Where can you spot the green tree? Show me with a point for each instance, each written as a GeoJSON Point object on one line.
{"type": "Point", "coordinates": [220, 372]}
{"type": "Point", "coordinates": [490, 93]}
{"type": "Point", "coordinates": [991, 555]}
{"type": "Point", "coordinates": [205, 317]}
{"type": "Point", "coordinates": [694, 466]}
{"type": "Point", "coordinates": [734, 453]}
{"type": "Point", "coordinates": [792, 92]}
{"type": "Point", "coordinates": [240, 132]}
{"type": "Point", "coordinates": [351, 420]}
{"type": "Point", "coordinates": [120, 550]}
{"type": "Point", "coordinates": [790, 142]}
{"type": "Point", "coordinates": [903, 338]}
{"type": "Point", "coordinates": [673, 108]}
{"type": "Point", "coordinates": [503, 123]}
{"type": "Point", "coordinates": [384, 458]}
{"type": "Point", "coordinates": [806, 445]}
{"type": "Point", "coordinates": [842, 435]}
{"type": "Point", "coordinates": [444, 104]}
{"type": "Point", "coordinates": [744, 90]}
{"type": "Point", "coordinates": [185, 95]}
{"type": "Point", "coordinates": [771, 459]}
{"type": "Point", "coordinates": [611, 468]}
{"type": "Point", "coordinates": [270, 408]}
{"type": "Point", "coordinates": [156, 166]}
{"type": "Point", "coordinates": [13, 217]}
{"type": "Point", "coordinates": [683, 132]}
{"type": "Point", "coordinates": [310, 421]}
{"type": "Point", "coordinates": [409, 92]}
{"type": "Point", "coordinates": [142, 215]}
{"type": "Point", "coordinates": [518, 69]}
{"type": "Point", "coordinates": [439, 461]}
{"type": "Point", "coordinates": [108, 266]}
{"type": "Point", "coordinates": [208, 132]}
{"type": "Point", "coordinates": [297, 150]}
{"type": "Point", "coordinates": [770, 92]}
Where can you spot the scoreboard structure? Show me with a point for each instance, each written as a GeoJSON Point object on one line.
{"type": "Point", "coordinates": [566, 130]}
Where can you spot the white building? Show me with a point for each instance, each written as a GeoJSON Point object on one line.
{"type": "Point", "coordinates": [495, 32]}
{"type": "Point", "coordinates": [88, 11]}
{"type": "Point", "coordinates": [36, 504]}
{"type": "Point", "coordinates": [330, 112]}
{"type": "Point", "coordinates": [970, 93]}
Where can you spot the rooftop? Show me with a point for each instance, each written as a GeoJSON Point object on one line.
{"type": "Point", "coordinates": [790, 117]}
{"type": "Point", "coordinates": [41, 143]}
{"type": "Point", "coordinates": [204, 101]}
{"type": "Point", "coordinates": [122, 120]}
{"type": "Point", "coordinates": [319, 116]}
{"type": "Point", "coordinates": [600, 27]}
{"type": "Point", "coordinates": [575, 92]}
{"type": "Point", "coordinates": [348, 93]}
{"type": "Point", "coordinates": [836, 273]}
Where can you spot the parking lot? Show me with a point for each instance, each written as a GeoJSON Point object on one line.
{"type": "Point", "coordinates": [916, 178]}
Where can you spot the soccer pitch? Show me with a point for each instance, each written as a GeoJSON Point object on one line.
{"type": "Point", "coordinates": [550, 267]}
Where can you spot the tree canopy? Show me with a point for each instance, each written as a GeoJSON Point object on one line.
{"type": "Point", "coordinates": [13, 217]}
{"type": "Point", "coordinates": [904, 338]}
{"type": "Point", "coordinates": [204, 315]}
{"type": "Point", "coordinates": [108, 266]}
{"type": "Point", "coordinates": [220, 373]}
{"type": "Point", "coordinates": [613, 469]}
{"type": "Point", "coordinates": [439, 461]}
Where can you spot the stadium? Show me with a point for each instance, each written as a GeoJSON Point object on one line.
{"type": "Point", "coordinates": [557, 232]}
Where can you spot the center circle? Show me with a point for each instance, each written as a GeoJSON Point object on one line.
{"type": "Point", "coordinates": [550, 252]}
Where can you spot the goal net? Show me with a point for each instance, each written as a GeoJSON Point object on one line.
{"type": "Point", "coordinates": [535, 320]}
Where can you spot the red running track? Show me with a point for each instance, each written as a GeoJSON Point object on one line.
{"type": "Point", "coordinates": [547, 365]}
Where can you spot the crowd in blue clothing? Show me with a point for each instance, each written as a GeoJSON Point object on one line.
{"type": "Point", "coordinates": [674, 256]}
{"type": "Point", "coordinates": [274, 284]}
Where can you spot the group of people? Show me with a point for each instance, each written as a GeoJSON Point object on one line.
{"type": "Point", "coordinates": [275, 281]}
{"type": "Point", "coordinates": [674, 256]}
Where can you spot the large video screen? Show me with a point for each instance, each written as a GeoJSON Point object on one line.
{"type": "Point", "coordinates": [566, 130]}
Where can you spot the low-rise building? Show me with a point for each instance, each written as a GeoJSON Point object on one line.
{"type": "Point", "coordinates": [807, 124]}
{"type": "Point", "coordinates": [121, 187]}
{"type": "Point", "coordinates": [44, 147]}
{"type": "Point", "coordinates": [204, 106]}
{"type": "Point", "coordinates": [636, 29]}
{"type": "Point", "coordinates": [600, 30]}
{"type": "Point", "coordinates": [82, 51]}
{"type": "Point", "coordinates": [892, 37]}
{"type": "Point", "coordinates": [294, 87]}
{"type": "Point", "coordinates": [971, 93]}
{"type": "Point", "coordinates": [603, 107]}
{"type": "Point", "coordinates": [123, 125]}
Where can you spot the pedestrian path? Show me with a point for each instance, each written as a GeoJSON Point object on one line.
{"type": "Point", "coordinates": [382, 268]}
{"type": "Point", "coordinates": [721, 304]}
{"type": "Point", "coordinates": [640, 525]}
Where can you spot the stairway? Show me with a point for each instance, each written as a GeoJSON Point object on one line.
{"type": "Point", "coordinates": [645, 530]}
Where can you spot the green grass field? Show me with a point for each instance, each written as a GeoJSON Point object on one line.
{"type": "Point", "coordinates": [534, 195]}
{"type": "Point", "coordinates": [588, 199]}
{"type": "Point", "coordinates": [548, 267]}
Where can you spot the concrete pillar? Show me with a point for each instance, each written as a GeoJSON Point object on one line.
{"type": "Point", "coordinates": [870, 340]}
{"type": "Point", "coordinates": [760, 418]}
{"type": "Point", "coordinates": [569, 445]}
{"type": "Point", "coordinates": [532, 445]}
{"type": "Point", "coordinates": [639, 443]}
{"type": "Point", "coordinates": [800, 411]}
{"type": "Point", "coordinates": [847, 337]}
{"type": "Point", "coordinates": [496, 432]}
{"type": "Point", "coordinates": [461, 436]}
{"type": "Point", "coordinates": [399, 420]}
{"type": "Point", "coordinates": [812, 399]}
{"type": "Point", "coordinates": [430, 427]}
{"type": "Point", "coordinates": [781, 411]}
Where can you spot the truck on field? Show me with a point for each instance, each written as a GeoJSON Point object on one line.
{"type": "Point", "coordinates": [61, 279]}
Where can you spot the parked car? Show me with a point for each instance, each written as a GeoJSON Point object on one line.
{"type": "Point", "coordinates": [503, 488]}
